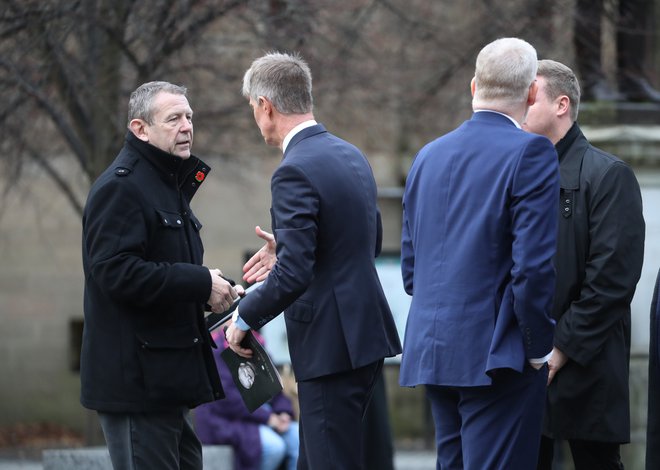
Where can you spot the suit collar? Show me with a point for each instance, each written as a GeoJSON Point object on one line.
{"type": "Point", "coordinates": [304, 134]}
{"type": "Point", "coordinates": [295, 130]}
{"type": "Point", "coordinates": [487, 115]}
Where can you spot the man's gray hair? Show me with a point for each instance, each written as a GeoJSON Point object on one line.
{"type": "Point", "coordinates": [504, 71]}
{"type": "Point", "coordinates": [284, 79]}
{"type": "Point", "coordinates": [140, 105]}
{"type": "Point", "coordinates": [560, 80]}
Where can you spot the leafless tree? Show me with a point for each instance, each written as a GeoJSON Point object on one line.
{"type": "Point", "coordinates": [66, 69]}
{"type": "Point", "coordinates": [388, 74]}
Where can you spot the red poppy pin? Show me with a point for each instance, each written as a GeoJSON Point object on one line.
{"type": "Point", "coordinates": [200, 176]}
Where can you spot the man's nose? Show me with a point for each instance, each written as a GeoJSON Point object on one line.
{"type": "Point", "coordinates": [186, 125]}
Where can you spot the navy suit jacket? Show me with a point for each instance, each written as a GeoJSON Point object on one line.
{"type": "Point", "coordinates": [478, 237]}
{"type": "Point", "coordinates": [328, 232]}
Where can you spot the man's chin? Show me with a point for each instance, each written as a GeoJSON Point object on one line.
{"type": "Point", "coordinates": [182, 153]}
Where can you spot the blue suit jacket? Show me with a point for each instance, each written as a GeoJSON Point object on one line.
{"type": "Point", "coordinates": [478, 237]}
{"type": "Point", "coordinates": [328, 232]}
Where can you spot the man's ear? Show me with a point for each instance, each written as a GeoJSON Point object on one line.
{"type": "Point", "coordinates": [473, 85]}
{"type": "Point", "coordinates": [531, 96]}
{"type": "Point", "coordinates": [266, 105]}
{"type": "Point", "coordinates": [563, 105]}
{"type": "Point", "coordinates": [139, 128]}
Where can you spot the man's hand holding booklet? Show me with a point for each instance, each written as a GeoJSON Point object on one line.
{"type": "Point", "coordinates": [256, 378]}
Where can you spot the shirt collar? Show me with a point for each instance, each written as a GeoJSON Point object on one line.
{"type": "Point", "coordinates": [295, 130]}
{"type": "Point", "coordinates": [497, 112]}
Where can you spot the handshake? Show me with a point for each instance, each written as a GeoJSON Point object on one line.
{"type": "Point", "coordinates": [224, 292]}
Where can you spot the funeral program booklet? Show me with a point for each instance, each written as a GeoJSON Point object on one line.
{"type": "Point", "coordinates": [256, 378]}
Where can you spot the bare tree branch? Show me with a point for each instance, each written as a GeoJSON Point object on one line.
{"type": "Point", "coordinates": [61, 183]}
{"type": "Point", "coordinates": [48, 107]}
{"type": "Point", "coordinates": [387, 73]}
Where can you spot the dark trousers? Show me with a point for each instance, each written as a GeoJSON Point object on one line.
{"type": "Point", "coordinates": [377, 448]}
{"type": "Point", "coordinates": [332, 410]}
{"type": "Point", "coordinates": [147, 441]}
{"type": "Point", "coordinates": [490, 427]}
{"type": "Point", "coordinates": [587, 455]}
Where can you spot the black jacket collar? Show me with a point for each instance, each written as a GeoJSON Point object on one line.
{"type": "Point", "coordinates": [571, 149]}
{"type": "Point", "coordinates": [188, 173]}
{"type": "Point", "coordinates": [163, 161]}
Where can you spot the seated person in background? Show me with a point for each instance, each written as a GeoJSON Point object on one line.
{"type": "Point", "coordinates": [261, 440]}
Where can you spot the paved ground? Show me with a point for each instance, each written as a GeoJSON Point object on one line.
{"type": "Point", "coordinates": [404, 460]}
{"type": "Point", "coordinates": [414, 460]}
{"type": "Point", "coordinates": [8, 464]}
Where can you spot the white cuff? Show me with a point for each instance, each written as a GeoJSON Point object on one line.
{"type": "Point", "coordinates": [239, 322]}
{"type": "Point", "coordinates": [541, 360]}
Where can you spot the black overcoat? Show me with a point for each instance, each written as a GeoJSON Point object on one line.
{"type": "Point", "coordinates": [600, 248]}
{"type": "Point", "coordinates": [145, 345]}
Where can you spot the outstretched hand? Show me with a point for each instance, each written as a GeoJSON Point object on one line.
{"type": "Point", "coordinates": [257, 268]}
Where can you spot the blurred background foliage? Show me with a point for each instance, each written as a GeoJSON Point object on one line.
{"type": "Point", "coordinates": [388, 74]}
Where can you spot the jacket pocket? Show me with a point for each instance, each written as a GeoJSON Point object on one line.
{"type": "Point", "coordinates": [171, 361]}
{"type": "Point", "coordinates": [301, 311]}
{"type": "Point", "coordinates": [168, 238]}
{"type": "Point", "coordinates": [169, 219]}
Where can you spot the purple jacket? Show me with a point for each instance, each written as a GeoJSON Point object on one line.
{"type": "Point", "coordinates": [229, 422]}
